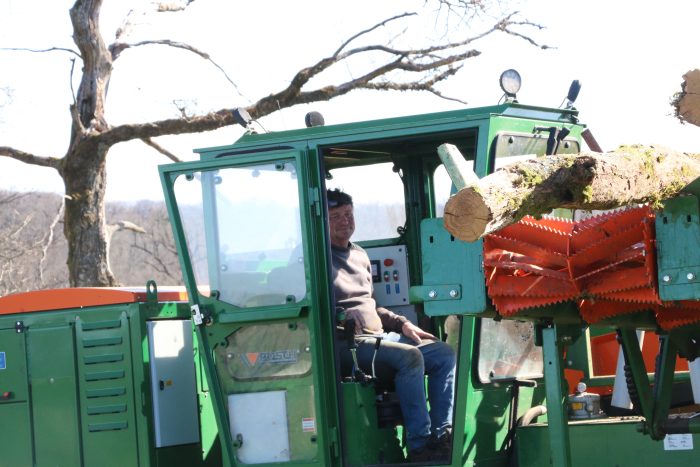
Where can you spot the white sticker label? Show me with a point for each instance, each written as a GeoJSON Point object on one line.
{"type": "Point", "coordinates": [678, 442]}
{"type": "Point", "coordinates": [308, 425]}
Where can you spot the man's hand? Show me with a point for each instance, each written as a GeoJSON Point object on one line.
{"type": "Point", "coordinates": [415, 333]}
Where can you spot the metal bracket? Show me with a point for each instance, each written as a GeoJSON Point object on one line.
{"type": "Point", "coordinates": [151, 292]}
{"type": "Point", "coordinates": [432, 293]}
{"type": "Point", "coordinates": [19, 327]}
{"type": "Point", "coordinates": [197, 315]}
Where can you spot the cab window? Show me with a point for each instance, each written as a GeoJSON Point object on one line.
{"type": "Point", "coordinates": [378, 197]}
{"type": "Point", "coordinates": [507, 351]}
{"type": "Point", "coordinates": [252, 253]}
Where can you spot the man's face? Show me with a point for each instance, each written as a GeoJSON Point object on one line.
{"type": "Point", "coordinates": [342, 225]}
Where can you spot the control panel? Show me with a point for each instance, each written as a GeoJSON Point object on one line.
{"type": "Point", "coordinates": [389, 274]}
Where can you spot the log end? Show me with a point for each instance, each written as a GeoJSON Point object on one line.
{"type": "Point", "coordinates": [687, 102]}
{"type": "Point", "coordinates": [467, 215]}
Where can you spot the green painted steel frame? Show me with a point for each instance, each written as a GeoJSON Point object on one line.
{"type": "Point", "coordinates": [557, 418]}
{"type": "Point", "coordinates": [224, 316]}
{"type": "Point", "coordinates": [486, 122]}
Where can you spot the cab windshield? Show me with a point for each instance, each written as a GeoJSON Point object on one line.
{"type": "Point", "coordinates": [250, 250]}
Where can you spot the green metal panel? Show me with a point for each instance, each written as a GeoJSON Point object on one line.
{"type": "Point", "coordinates": [15, 425]}
{"type": "Point", "coordinates": [364, 443]}
{"type": "Point", "coordinates": [15, 434]}
{"type": "Point", "coordinates": [13, 367]}
{"type": "Point", "coordinates": [51, 358]}
{"type": "Point", "coordinates": [107, 405]}
{"type": "Point", "coordinates": [604, 442]}
{"type": "Point", "coordinates": [274, 357]}
{"type": "Point", "coordinates": [510, 143]}
{"type": "Point", "coordinates": [678, 258]}
{"type": "Point", "coordinates": [453, 276]}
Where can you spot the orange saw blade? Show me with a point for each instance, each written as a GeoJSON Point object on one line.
{"type": "Point", "coordinates": [670, 317]}
{"type": "Point", "coordinates": [509, 306]}
{"type": "Point", "coordinates": [536, 233]}
{"type": "Point", "coordinates": [601, 227]}
{"type": "Point", "coordinates": [543, 256]}
{"type": "Point", "coordinates": [532, 286]}
{"type": "Point", "coordinates": [640, 295]}
{"type": "Point", "coordinates": [607, 247]}
{"type": "Point", "coordinates": [618, 280]}
{"type": "Point", "coordinates": [593, 311]}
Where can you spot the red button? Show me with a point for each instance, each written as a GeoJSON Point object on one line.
{"type": "Point", "coordinates": [388, 262]}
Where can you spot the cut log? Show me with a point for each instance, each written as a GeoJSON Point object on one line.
{"type": "Point", "coordinates": [687, 102]}
{"type": "Point", "coordinates": [590, 181]}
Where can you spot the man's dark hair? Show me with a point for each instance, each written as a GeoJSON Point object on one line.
{"type": "Point", "coordinates": [337, 198]}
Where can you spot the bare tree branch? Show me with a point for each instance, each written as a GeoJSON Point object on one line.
{"type": "Point", "coordinates": [49, 240]}
{"type": "Point", "coordinates": [172, 126]}
{"type": "Point", "coordinates": [411, 60]}
{"type": "Point", "coordinates": [173, 6]}
{"type": "Point", "coordinates": [21, 227]}
{"type": "Point", "coordinates": [27, 158]}
{"type": "Point", "coordinates": [118, 47]}
{"type": "Point", "coordinates": [11, 197]}
{"type": "Point", "coordinates": [161, 149]}
{"type": "Point", "coordinates": [50, 49]}
{"type": "Point", "coordinates": [416, 61]}
{"type": "Point", "coordinates": [124, 225]}
{"type": "Point", "coordinates": [156, 262]}
{"type": "Point", "coordinates": [368, 30]}
{"type": "Point", "coordinates": [504, 28]}
{"type": "Point", "coordinates": [388, 66]}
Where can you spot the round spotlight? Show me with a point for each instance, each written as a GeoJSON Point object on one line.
{"type": "Point", "coordinates": [510, 82]}
{"type": "Point", "coordinates": [242, 117]}
{"type": "Point", "coordinates": [313, 119]}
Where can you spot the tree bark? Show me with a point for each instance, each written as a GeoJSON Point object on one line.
{"type": "Point", "coordinates": [84, 177]}
{"type": "Point", "coordinates": [83, 169]}
{"type": "Point", "coordinates": [629, 175]}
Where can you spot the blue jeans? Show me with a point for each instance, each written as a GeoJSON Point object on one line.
{"type": "Point", "coordinates": [407, 363]}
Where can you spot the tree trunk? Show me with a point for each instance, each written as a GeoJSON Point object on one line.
{"type": "Point", "coordinates": [83, 169]}
{"type": "Point", "coordinates": [629, 175]}
{"type": "Point", "coordinates": [84, 221]}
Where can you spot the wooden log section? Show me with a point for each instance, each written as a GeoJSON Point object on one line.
{"type": "Point", "coordinates": [591, 181]}
{"type": "Point", "coordinates": [687, 102]}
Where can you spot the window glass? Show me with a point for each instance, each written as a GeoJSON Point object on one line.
{"type": "Point", "coordinates": [250, 249]}
{"type": "Point", "coordinates": [443, 188]}
{"type": "Point", "coordinates": [507, 350]}
{"type": "Point", "coordinates": [378, 198]}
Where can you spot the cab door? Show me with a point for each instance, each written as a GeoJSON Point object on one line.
{"type": "Point", "coordinates": [244, 227]}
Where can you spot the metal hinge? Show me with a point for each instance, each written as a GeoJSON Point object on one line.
{"type": "Point", "coordinates": [315, 196]}
{"type": "Point", "coordinates": [333, 442]}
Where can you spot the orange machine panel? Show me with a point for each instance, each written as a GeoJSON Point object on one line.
{"type": "Point", "coordinates": [61, 299]}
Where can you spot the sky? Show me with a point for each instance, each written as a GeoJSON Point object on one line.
{"type": "Point", "coordinates": [629, 56]}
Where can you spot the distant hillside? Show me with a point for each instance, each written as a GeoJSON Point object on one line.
{"type": "Point", "coordinates": [31, 258]}
{"type": "Point", "coordinates": [33, 249]}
